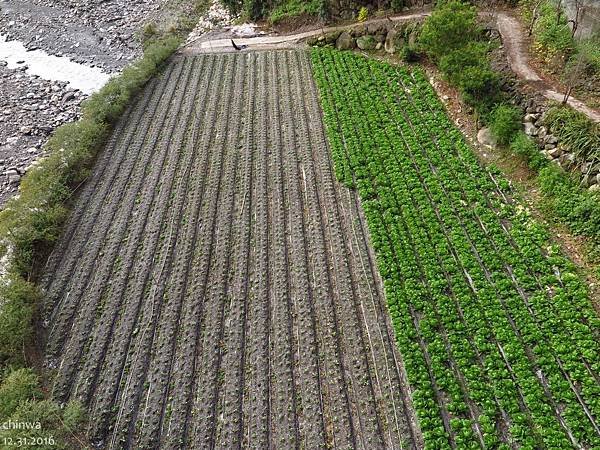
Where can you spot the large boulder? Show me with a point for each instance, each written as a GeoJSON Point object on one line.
{"type": "Point", "coordinates": [331, 38]}
{"type": "Point", "coordinates": [376, 28]}
{"type": "Point", "coordinates": [367, 42]}
{"type": "Point", "coordinates": [345, 42]}
{"type": "Point", "coordinates": [486, 137]}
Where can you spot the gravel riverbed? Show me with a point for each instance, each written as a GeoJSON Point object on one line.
{"type": "Point", "coordinates": [97, 33]}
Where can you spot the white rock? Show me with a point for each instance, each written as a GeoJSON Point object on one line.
{"type": "Point", "coordinates": [530, 129]}
{"type": "Point", "coordinates": [485, 137]}
{"type": "Point", "coordinates": [555, 152]}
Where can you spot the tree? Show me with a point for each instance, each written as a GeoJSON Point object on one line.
{"type": "Point", "coordinates": [580, 6]}
{"type": "Point", "coordinates": [576, 71]}
{"type": "Point", "coordinates": [534, 16]}
{"type": "Point", "coordinates": [451, 26]}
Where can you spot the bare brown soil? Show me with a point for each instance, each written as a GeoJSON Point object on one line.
{"type": "Point", "coordinates": [215, 287]}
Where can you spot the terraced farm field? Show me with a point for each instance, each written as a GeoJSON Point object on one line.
{"type": "Point", "coordinates": [294, 250]}
{"type": "Point", "coordinates": [496, 330]}
{"type": "Point", "coordinates": [215, 287]}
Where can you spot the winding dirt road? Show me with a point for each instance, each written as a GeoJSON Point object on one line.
{"type": "Point", "coordinates": [510, 29]}
{"type": "Point", "coordinates": [516, 49]}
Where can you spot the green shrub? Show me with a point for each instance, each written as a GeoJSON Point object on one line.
{"type": "Point", "coordinates": [590, 47]}
{"type": "Point", "coordinates": [19, 301]}
{"type": "Point", "coordinates": [409, 53]}
{"type": "Point", "coordinates": [450, 27]}
{"type": "Point", "coordinates": [148, 32]}
{"type": "Point", "coordinates": [18, 387]}
{"type": "Point", "coordinates": [552, 35]}
{"type": "Point", "coordinates": [294, 8]}
{"type": "Point", "coordinates": [523, 146]}
{"type": "Point", "coordinates": [468, 68]}
{"type": "Point", "coordinates": [505, 122]}
{"type": "Point", "coordinates": [397, 5]}
{"type": "Point", "coordinates": [472, 54]}
{"type": "Point", "coordinates": [578, 207]}
{"type": "Point", "coordinates": [451, 37]}
{"type": "Point", "coordinates": [575, 131]}
{"type": "Point", "coordinates": [564, 198]}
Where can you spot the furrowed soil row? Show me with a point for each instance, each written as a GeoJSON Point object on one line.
{"type": "Point", "coordinates": [97, 292]}
{"type": "Point", "coordinates": [285, 362]}
{"type": "Point", "coordinates": [211, 375]}
{"type": "Point", "coordinates": [185, 375]}
{"type": "Point", "coordinates": [229, 433]}
{"type": "Point", "coordinates": [189, 191]}
{"type": "Point", "coordinates": [256, 402]}
{"type": "Point", "coordinates": [216, 287]}
{"type": "Point", "coordinates": [313, 418]}
{"type": "Point", "coordinates": [351, 345]}
{"type": "Point", "coordinates": [125, 189]}
{"type": "Point", "coordinates": [125, 315]}
{"type": "Point", "coordinates": [370, 314]}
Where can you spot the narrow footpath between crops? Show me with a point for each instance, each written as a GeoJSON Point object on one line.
{"type": "Point", "coordinates": [510, 29]}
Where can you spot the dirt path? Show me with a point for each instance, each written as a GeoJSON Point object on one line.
{"type": "Point", "coordinates": [516, 49]}
{"type": "Point", "coordinates": [283, 41]}
{"type": "Point", "coordinates": [509, 27]}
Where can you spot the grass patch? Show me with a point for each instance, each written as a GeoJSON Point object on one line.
{"type": "Point", "coordinates": [290, 9]}
{"type": "Point", "coordinates": [575, 131]}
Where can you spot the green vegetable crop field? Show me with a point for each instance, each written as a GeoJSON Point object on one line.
{"type": "Point", "coordinates": [496, 330]}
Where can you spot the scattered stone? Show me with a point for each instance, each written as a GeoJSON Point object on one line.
{"type": "Point", "coordinates": [366, 42]}
{"type": "Point", "coordinates": [541, 134]}
{"type": "Point", "coordinates": [345, 42]}
{"type": "Point", "coordinates": [567, 160]}
{"type": "Point", "coordinates": [554, 152]}
{"type": "Point", "coordinates": [394, 41]}
{"type": "Point", "coordinates": [588, 181]}
{"type": "Point", "coordinates": [594, 188]}
{"type": "Point", "coordinates": [12, 176]}
{"type": "Point", "coordinates": [531, 117]}
{"type": "Point", "coordinates": [530, 129]}
{"type": "Point", "coordinates": [68, 97]}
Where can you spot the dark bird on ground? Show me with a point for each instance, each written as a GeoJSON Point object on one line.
{"type": "Point", "coordinates": [238, 47]}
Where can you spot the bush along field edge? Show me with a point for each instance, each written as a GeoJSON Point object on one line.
{"type": "Point", "coordinates": [482, 323]}
{"type": "Point", "coordinates": [30, 225]}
